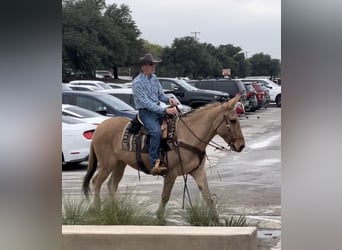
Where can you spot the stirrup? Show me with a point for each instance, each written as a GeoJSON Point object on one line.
{"type": "Point", "coordinates": [157, 169]}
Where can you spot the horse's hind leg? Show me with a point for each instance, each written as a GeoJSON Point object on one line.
{"type": "Point", "coordinates": [169, 181]}
{"type": "Point", "coordinates": [200, 177]}
{"type": "Point", "coordinates": [116, 176]}
{"type": "Point", "coordinates": [100, 177]}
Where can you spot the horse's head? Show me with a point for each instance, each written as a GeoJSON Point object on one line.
{"type": "Point", "coordinates": [229, 129]}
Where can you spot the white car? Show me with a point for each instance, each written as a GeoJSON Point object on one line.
{"type": "Point", "coordinates": [76, 139]}
{"type": "Point", "coordinates": [120, 85]}
{"type": "Point", "coordinates": [84, 87]}
{"type": "Point", "coordinates": [82, 114]}
{"type": "Point", "coordinates": [65, 87]}
{"type": "Point", "coordinates": [117, 85]}
{"type": "Point", "coordinates": [103, 74]}
{"type": "Point", "coordinates": [99, 84]}
{"type": "Point", "coordinates": [273, 88]}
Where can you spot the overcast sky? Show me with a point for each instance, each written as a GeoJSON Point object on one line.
{"type": "Point", "coordinates": [253, 25]}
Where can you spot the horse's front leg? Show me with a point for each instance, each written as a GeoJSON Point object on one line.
{"type": "Point", "coordinates": [169, 181]}
{"type": "Point", "coordinates": [200, 177]}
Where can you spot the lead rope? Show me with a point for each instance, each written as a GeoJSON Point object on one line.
{"type": "Point", "coordinates": [185, 176]}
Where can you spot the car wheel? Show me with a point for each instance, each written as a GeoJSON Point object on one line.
{"type": "Point", "coordinates": [278, 100]}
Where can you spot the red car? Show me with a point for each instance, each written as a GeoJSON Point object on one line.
{"type": "Point", "coordinates": [262, 95]}
{"type": "Point", "coordinates": [240, 109]}
{"type": "Point", "coordinates": [251, 97]}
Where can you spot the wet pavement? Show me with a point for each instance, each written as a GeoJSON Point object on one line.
{"type": "Point", "coordinates": [246, 183]}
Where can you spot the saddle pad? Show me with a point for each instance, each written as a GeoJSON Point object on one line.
{"type": "Point", "coordinates": [129, 141]}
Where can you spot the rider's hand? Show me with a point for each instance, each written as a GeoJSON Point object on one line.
{"type": "Point", "coordinates": [172, 101]}
{"type": "Point", "coordinates": [171, 111]}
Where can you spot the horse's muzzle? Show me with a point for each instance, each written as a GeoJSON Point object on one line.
{"type": "Point", "coordinates": [238, 145]}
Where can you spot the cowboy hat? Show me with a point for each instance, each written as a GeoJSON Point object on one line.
{"type": "Point", "coordinates": [148, 59]}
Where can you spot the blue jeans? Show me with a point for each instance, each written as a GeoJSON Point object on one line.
{"type": "Point", "coordinates": [152, 122]}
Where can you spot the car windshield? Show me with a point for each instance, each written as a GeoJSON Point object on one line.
{"type": "Point", "coordinates": [269, 83]}
{"type": "Point", "coordinates": [114, 101]}
{"type": "Point", "coordinates": [186, 85]}
{"type": "Point", "coordinates": [78, 112]}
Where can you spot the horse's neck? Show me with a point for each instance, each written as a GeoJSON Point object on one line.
{"type": "Point", "coordinates": [203, 124]}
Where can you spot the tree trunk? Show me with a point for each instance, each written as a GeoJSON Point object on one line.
{"type": "Point", "coordinates": [115, 72]}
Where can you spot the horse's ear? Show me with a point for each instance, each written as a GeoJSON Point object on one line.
{"type": "Point", "coordinates": [233, 101]}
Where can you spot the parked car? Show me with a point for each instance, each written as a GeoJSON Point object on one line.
{"type": "Point", "coordinates": [267, 93]}
{"type": "Point", "coordinates": [76, 139]}
{"type": "Point", "coordinates": [191, 95]}
{"type": "Point", "coordinates": [251, 97]}
{"type": "Point", "coordinates": [101, 103]}
{"type": "Point", "coordinates": [126, 95]}
{"type": "Point", "coordinates": [182, 107]}
{"type": "Point", "coordinates": [82, 114]}
{"type": "Point", "coordinates": [99, 84]}
{"type": "Point", "coordinates": [84, 87]}
{"type": "Point", "coordinates": [116, 85]}
{"type": "Point", "coordinates": [240, 110]}
{"type": "Point", "coordinates": [65, 87]}
{"type": "Point", "coordinates": [274, 89]}
{"type": "Point", "coordinates": [261, 94]}
{"type": "Point", "coordinates": [230, 86]}
{"type": "Point", "coordinates": [103, 74]}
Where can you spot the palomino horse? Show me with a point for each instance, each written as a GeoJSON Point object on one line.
{"type": "Point", "coordinates": [193, 134]}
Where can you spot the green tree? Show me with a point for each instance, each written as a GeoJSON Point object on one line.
{"type": "Point", "coordinates": [127, 47]}
{"type": "Point", "coordinates": [81, 47]}
{"type": "Point", "coordinates": [264, 65]}
{"type": "Point", "coordinates": [187, 58]}
{"type": "Point", "coordinates": [96, 36]}
{"type": "Point", "coordinates": [233, 58]}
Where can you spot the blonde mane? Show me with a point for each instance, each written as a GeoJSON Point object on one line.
{"type": "Point", "coordinates": [202, 108]}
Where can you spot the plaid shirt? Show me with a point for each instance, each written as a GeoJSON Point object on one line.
{"type": "Point", "coordinates": [148, 93]}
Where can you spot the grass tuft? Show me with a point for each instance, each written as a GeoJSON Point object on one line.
{"type": "Point", "coordinates": [128, 209]}
{"type": "Point", "coordinates": [74, 212]}
{"type": "Point", "coordinates": [124, 209]}
{"type": "Point", "coordinates": [200, 214]}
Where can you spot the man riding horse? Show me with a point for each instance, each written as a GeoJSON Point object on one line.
{"type": "Point", "coordinates": [148, 94]}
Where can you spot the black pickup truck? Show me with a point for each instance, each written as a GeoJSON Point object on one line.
{"type": "Point", "coordinates": [190, 95]}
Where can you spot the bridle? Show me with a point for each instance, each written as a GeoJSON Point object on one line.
{"type": "Point", "coordinates": [215, 145]}
{"type": "Point", "coordinates": [228, 122]}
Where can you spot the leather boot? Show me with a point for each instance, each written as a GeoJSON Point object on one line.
{"type": "Point", "coordinates": [158, 169]}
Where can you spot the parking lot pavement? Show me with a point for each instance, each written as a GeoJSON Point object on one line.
{"type": "Point", "coordinates": [245, 183]}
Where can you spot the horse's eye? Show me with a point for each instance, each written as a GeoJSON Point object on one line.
{"type": "Point", "coordinates": [228, 126]}
{"type": "Point", "coordinates": [233, 120]}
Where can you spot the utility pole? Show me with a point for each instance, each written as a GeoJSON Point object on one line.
{"type": "Point", "coordinates": [246, 52]}
{"type": "Point", "coordinates": [195, 34]}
